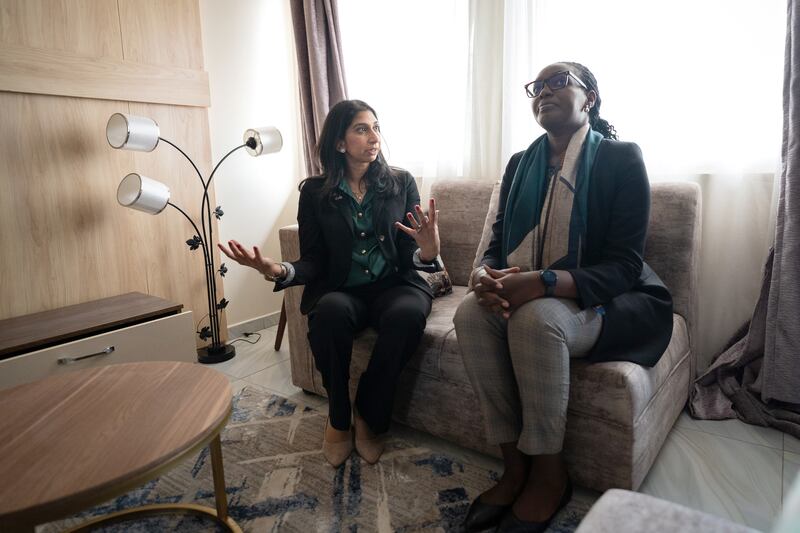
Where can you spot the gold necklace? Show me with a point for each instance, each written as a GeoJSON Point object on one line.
{"type": "Point", "coordinates": [357, 193]}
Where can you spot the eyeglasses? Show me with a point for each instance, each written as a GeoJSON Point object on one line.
{"type": "Point", "coordinates": [555, 82]}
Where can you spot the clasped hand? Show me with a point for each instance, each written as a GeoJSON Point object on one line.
{"type": "Point", "coordinates": [424, 230]}
{"type": "Point", "coordinates": [504, 290]}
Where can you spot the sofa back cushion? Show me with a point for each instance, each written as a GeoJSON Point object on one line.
{"type": "Point", "coordinates": [491, 216]}
{"type": "Point", "coordinates": [462, 205]}
{"type": "Point", "coordinates": [673, 243]}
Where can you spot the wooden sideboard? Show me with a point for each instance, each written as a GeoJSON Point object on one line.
{"type": "Point", "coordinates": [127, 328]}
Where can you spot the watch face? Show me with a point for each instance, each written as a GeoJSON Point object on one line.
{"type": "Point", "coordinates": [549, 277]}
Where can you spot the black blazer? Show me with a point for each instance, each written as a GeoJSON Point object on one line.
{"type": "Point", "coordinates": [327, 236]}
{"type": "Point", "coordinates": [637, 325]}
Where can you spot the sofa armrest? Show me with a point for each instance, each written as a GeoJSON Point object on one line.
{"type": "Point", "coordinates": [304, 375]}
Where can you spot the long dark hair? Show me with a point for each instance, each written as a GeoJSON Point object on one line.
{"type": "Point", "coordinates": [598, 124]}
{"type": "Point", "coordinates": [380, 177]}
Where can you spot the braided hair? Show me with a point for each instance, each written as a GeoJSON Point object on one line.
{"type": "Point", "coordinates": [598, 124]}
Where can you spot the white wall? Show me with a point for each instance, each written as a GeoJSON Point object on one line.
{"type": "Point", "coordinates": [250, 59]}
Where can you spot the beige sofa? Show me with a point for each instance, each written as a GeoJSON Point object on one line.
{"type": "Point", "coordinates": [619, 413]}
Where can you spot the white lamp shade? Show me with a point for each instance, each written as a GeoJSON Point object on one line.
{"type": "Point", "coordinates": [132, 133]}
{"type": "Point", "coordinates": [143, 193]}
{"type": "Point", "coordinates": [268, 140]}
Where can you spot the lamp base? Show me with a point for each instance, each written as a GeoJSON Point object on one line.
{"type": "Point", "coordinates": [216, 354]}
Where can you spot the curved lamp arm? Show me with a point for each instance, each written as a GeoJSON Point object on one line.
{"type": "Point", "coordinates": [130, 132]}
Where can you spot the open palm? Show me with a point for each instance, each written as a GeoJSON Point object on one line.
{"type": "Point", "coordinates": [424, 230]}
{"type": "Point", "coordinates": [254, 259]}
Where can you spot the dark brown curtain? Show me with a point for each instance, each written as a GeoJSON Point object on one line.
{"type": "Point", "coordinates": [320, 67]}
{"type": "Point", "coordinates": [758, 378]}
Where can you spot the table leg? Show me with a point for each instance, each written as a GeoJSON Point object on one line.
{"type": "Point", "coordinates": [220, 497]}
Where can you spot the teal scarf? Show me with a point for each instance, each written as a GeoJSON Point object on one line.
{"type": "Point", "coordinates": [528, 191]}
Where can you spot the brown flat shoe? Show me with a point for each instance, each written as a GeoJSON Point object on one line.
{"type": "Point", "coordinates": [336, 453]}
{"type": "Point", "coordinates": [369, 449]}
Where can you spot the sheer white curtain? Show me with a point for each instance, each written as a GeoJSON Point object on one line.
{"type": "Point", "coordinates": [409, 61]}
{"type": "Point", "coordinates": [697, 84]}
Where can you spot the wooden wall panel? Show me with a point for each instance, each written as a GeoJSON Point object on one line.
{"type": "Point", "coordinates": [85, 27]}
{"type": "Point", "coordinates": [62, 232]}
{"type": "Point", "coordinates": [64, 237]}
{"type": "Point", "coordinates": [162, 33]}
{"type": "Point", "coordinates": [40, 71]}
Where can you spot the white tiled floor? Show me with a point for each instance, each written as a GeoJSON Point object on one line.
{"type": "Point", "coordinates": [720, 475]}
{"type": "Point", "coordinates": [791, 444]}
{"type": "Point", "coordinates": [726, 468]}
{"type": "Point", "coordinates": [791, 469]}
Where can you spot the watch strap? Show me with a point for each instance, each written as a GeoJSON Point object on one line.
{"type": "Point", "coordinates": [549, 280]}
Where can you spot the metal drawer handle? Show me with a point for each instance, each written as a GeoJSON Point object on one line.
{"type": "Point", "coordinates": [70, 360]}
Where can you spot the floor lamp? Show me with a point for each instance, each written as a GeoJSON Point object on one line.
{"type": "Point", "coordinates": [128, 132]}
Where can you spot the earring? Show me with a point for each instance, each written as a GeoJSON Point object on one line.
{"type": "Point", "coordinates": [586, 108]}
{"type": "Point", "coordinates": [342, 150]}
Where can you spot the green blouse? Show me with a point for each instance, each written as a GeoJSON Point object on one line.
{"type": "Point", "coordinates": [368, 263]}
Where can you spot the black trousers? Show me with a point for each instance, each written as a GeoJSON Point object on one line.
{"type": "Point", "coordinates": [398, 312]}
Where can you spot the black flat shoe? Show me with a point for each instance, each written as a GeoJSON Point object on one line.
{"type": "Point", "coordinates": [483, 516]}
{"type": "Point", "coordinates": [512, 524]}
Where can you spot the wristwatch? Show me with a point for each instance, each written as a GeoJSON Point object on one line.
{"type": "Point", "coordinates": [549, 278]}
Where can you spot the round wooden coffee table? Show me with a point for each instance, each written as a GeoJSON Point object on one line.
{"type": "Point", "coordinates": [72, 441]}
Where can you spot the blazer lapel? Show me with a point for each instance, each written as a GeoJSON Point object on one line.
{"type": "Point", "coordinates": [378, 213]}
{"type": "Point", "coordinates": [342, 206]}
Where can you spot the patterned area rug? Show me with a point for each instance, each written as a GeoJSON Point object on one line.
{"type": "Point", "coordinates": [278, 480]}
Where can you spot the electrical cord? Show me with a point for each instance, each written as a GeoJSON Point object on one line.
{"type": "Point", "coordinates": [247, 334]}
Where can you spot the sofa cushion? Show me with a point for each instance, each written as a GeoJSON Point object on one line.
{"type": "Point", "coordinates": [486, 234]}
{"type": "Point", "coordinates": [616, 391]}
{"type": "Point", "coordinates": [438, 354]}
{"type": "Point", "coordinates": [673, 241]}
{"type": "Point", "coordinates": [462, 209]}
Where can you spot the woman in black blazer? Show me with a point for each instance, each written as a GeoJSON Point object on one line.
{"type": "Point", "coordinates": [360, 249]}
{"type": "Point", "coordinates": [563, 277]}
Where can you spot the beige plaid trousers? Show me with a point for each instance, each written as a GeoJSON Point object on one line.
{"type": "Point", "coordinates": [519, 367]}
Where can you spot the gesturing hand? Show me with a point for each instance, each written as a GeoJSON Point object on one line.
{"type": "Point", "coordinates": [253, 259]}
{"type": "Point", "coordinates": [424, 230]}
